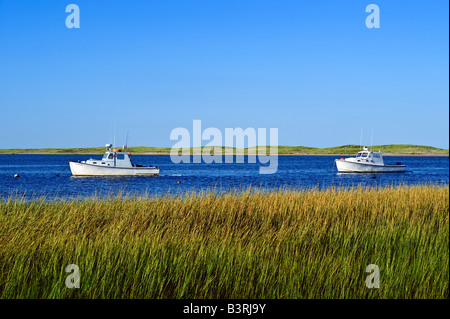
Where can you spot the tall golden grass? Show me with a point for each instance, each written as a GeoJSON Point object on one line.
{"type": "Point", "coordinates": [251, 244]}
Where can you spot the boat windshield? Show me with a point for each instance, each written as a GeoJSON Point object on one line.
{"type": "Point", "coordinates": [362, 154]}
{"type": "Point", "coordinates": [108, 156]}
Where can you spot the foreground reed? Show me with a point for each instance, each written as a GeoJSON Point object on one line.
{"type": "Point", "coordinates": [252, 244]}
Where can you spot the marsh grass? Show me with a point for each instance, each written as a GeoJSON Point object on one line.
{"type": "Point", "coordinates": [252, 244]}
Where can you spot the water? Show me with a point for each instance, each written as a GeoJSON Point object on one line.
{"type": "Point", "coordinates": [37, 175]}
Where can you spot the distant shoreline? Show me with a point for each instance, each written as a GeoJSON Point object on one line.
{"type": "Point", "coordinates": [293, 154]}
{"type": "Point", "coordinates": [305, 154]}
{"type": "Point", "coordinates": [283, 150]}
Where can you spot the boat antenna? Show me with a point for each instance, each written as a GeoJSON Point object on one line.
{"type": "Point", "coordinates": [109, 135]}
{"type": "Point", "coordinates": [114, 145]}
{"type": "Point", "coordinates": [126, 142]}
{"type": "Point", "coordinates": [371, 140]}
{"type": "Point", "coordinates": [360, 141]}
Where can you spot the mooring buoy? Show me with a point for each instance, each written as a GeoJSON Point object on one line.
{"type": "Point", "coordinates": [16, 175]}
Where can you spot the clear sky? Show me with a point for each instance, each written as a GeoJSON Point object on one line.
{"type": "Point", "coordinates": [312, 69]}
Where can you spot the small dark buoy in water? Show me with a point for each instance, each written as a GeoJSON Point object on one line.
{"type": "Point", "coordinates": [374, 177]}
{"type": "Point", "coordinates": [16, 175]}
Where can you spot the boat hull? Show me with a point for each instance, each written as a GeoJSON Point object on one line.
{"type": "Point", "coordinates": [83, 169]}
{"type": "Point", "coordinates": [344, 166]}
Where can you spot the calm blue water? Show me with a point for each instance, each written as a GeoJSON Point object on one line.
{"type": "Point", "coordinates": [37, 175]}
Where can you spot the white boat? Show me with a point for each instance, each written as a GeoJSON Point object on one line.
{"type": "Point", "coordinates": [115, 162]}
{"type": "Point", "coordinates": [367, 162]}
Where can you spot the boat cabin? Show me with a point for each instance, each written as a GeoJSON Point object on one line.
{"type": "Point", "coordinates": [113, 157]}
{"type": "Point", "coordinates": [366, 156]}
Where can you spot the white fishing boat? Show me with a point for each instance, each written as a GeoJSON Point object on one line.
{"type": "Point", "coordinates": [115, 162]}
{"type": "Point", "coordinates": [367, 162]}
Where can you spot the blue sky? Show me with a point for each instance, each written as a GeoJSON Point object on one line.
{"type": "Point", "coordinates": [312, 69]}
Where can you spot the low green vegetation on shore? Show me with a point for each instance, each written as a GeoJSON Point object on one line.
{"type": "Point", "coordinates": [251, 244]}
{"type": "Point", "coordinates": [398, 149]}
{"type": "Point", "coordinates": [404, 149]}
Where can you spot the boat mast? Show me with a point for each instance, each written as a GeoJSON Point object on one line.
{"type": "Point", "coordinates": [114, 144]}
{"type": "Point", "coordinates": [360, 141]}
{"type": "Point", "coordinates": [371, 140]}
